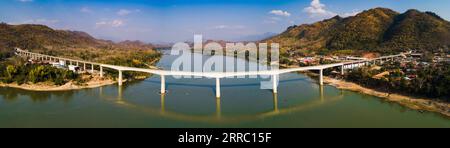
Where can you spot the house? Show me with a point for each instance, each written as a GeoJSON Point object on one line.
{"type": "Point", "coordinates": [74, 68]}
{"type": "Point", "coordinates": [62, 63]}
{"type": "Point", "coordinates": [411, 76]}
{"type": "Point", "coordinates": [57, 65]}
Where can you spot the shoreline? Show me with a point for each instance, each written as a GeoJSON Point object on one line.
{"type": "Point", "coordinates": [47, 87]}
{"type": "Point", "coordinates": [412, 102]}
{"type": "Point", "coordinates": [416, 103]}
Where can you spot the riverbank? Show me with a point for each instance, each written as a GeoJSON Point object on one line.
{"type": "Point", "coordinates": [417, 103]}
{"type": "Point", "coordinates": [48, 86]}
{"type": "Point", "coordinates": [423, 104]}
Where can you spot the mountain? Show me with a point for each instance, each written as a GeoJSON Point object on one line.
{"type": "Point", "coordinates": [256, 37]}
{"type": "Point", "coordinates": [375, 30]}
{"type": "Point", "coordinates": [135, 45]}
{"type": "Point", "coordinates": [43, 38]}
{"type": "Point", "coordinates": [415, 29]}
{"type": "Point", "coordinates": [73, 44]}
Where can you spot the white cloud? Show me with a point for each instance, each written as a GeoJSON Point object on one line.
{"type": "Point", "coordinates": [124, 12]}
{"type": "Point", "coordinates": [280, 13]}
{"type": "Point", "coordinates": [85, 10]}
{"type": "Point", "coordinates": [25, 1]}
{"type": "Point", "coordinates": [117, 23]}
{"type": "Point", "coordinates": [347, 14]}
{"type": "Point", "coordinates": [272, 20]}
{"type": "Point", "coordinates": [113, 23]}
{"type": "Point", "coordinates": [317, 9]}
{"type": "Point", "coordinates": [229, 27]}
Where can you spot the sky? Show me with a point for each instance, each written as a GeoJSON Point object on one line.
{"type": "Point", "coordinates": [161, 21]}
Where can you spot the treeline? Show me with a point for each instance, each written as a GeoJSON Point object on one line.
{"type": "Point", "coordinates": [4, 55]}
{"type": "Point", "coordinates": [29, 73]}
{"type": "Point", "coordinates": [431, 81]}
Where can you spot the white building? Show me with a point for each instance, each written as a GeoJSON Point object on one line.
{"type": "Point", "coordinates": [74, 68]}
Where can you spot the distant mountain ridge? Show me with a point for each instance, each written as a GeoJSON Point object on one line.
{"type": "Point", "coordinates": [43, 38]}
{"type": "Point", "coordinates": [255, 37]}
{"type": "Point", "coordinates": [376, 30]}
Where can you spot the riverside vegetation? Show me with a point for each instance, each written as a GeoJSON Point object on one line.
{"type": "Point", "coordinates": [429, 81]}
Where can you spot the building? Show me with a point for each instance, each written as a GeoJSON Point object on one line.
{"type": "Point", "coordinates": [74, 68]}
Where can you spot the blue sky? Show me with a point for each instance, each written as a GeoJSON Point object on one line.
{"type": "Point", "coordinates": [178, 20]}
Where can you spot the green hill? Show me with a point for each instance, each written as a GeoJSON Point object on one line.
{"type": "Point", "coordinates": [375, 30]}
{"type": "Point", "coordinates": [74, 44]}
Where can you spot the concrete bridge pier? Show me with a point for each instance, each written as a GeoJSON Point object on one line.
{"type": "Point", "coordinates": [120, 78]}
{"type": "Point", "coordinates": [101, 71]}
{"type": "Point", "coordinates": [217, 87]}
{"type": "Point", "coordinates": [92, 68]}
{"type": "Point", "coordinates": [321, 77]}
{"type": "Point", "coordinates": [274, 84]}
{"type": "Point", "coordinates": [163, 84]}
{"type": "Point", "coordinates": [342, 69]}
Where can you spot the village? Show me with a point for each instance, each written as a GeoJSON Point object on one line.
{"type": "Point", "coordinates": [408, 65]}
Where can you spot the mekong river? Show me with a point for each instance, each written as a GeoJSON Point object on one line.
{"type": "Point", "coordinates": [300, 102]}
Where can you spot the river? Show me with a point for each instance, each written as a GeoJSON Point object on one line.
{"type": "Point", "coordinates": [300, 102]}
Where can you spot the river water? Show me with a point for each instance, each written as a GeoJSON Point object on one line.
{"type": "Point", "coordinates": [300, 102]}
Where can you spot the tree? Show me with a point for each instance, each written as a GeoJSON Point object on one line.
{"type": "Point", "coordinates": [10, 72]}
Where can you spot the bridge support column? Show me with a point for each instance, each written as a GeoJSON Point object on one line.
{"type": "Point", "coordinates": [84, 66]}
{"type": "Point", "coordinates": [92, 69]}
{"type": "Point", "coordinates": [163, 84]}
{"type": "Point", "coordinates": [120, 78]}
{"type": "Point", "coordinates": [321, 77]}
{"type": "Point", "coordinates": [101, 71]}
{"type": "Point", "coordinates": [274, 84]}
{"type": "Point", "coordinates": [342, 69]}
{"type": "Point", "coordinates": [217, 88]}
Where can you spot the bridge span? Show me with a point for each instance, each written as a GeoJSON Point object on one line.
{"type": "Point", "coordinates": [217, 75]}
